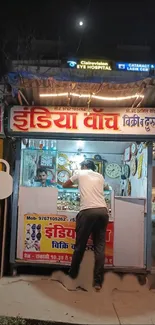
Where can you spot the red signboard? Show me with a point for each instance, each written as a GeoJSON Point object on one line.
{"type": "Point", "coordinates": [54, 241]}
{"type": "Point", "coordinates": [33, 119]}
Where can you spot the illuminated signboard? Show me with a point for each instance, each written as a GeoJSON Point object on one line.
{"type": "Point", "coordinates": [139, 67]}
{"type": "Point", "coordinates": [72, 64]}
{"type": "Point", "coordinates": [133, 121]}
{"type": "Point", "coordinates": [94, 65]}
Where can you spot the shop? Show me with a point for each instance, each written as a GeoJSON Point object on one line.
{"type": "Point", "coordinates": [51, 143]}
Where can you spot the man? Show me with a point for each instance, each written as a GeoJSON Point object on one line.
{"type": "Point", "coordinates": [44, 182]}
{"type": "Point", "coordinates": [42, 177]}
{"type": "Point", "coordinates": [92, 219]}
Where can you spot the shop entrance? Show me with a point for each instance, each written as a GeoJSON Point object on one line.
{"type": "Point", "coordinates": [46, 212]}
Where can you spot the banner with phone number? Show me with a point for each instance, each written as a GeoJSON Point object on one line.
{"type": "Point", "coordinates": [51, 239]}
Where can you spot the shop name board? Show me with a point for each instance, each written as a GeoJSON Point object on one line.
{"type": "Point", "coordinates": [94, 65]}
{"type": "Point", "coordinates": [1, 121]}
{"type": "Point", "coordinates": [58, 240]}
{"type": "Point", "coordinates": [135, 67]}
{"type": "Point", "coordinates": [138, 121]}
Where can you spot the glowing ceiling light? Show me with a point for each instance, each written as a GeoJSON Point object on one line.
{"type": "Point", "coordinates": [93, 96]}
{"type": "Point", "coordinates": [54, 95]}
{"type": "Point", "coordinates": [118, 98]}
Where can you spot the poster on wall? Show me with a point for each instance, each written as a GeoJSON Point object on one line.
{"type": "Point", "coordinates": [116, 121]}
{"type": "Point", "coordinates": [51, 238]}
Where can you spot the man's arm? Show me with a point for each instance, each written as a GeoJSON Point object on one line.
{"type": "Point", "coordinates": [70, 182]}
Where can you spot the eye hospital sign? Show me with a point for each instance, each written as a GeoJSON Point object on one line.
{"type": "Point", "coordinates": [94, 65]}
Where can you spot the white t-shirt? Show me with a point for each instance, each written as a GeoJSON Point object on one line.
{"type": "Point", "coordinates": [91, 187]}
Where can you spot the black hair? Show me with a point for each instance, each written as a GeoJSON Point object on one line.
{"type": "Point", "coordinates": [89, 164]}
{"type": "Point", "coordinates": [41, 170]}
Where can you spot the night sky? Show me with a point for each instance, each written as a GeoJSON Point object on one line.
{"type": "Point", "coordinates": [108, 23]}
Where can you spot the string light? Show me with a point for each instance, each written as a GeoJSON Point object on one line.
{"type": "Point", "coordinates": [54, 95]}
{"type": "Point", "coordinates": [94, 96]}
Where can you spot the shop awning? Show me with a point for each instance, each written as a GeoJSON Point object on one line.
{"type": "Point", "coordinates": [118, 94]}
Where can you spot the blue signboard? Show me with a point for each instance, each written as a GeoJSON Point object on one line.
{"type": "Point", "coordinates": [139, 67]}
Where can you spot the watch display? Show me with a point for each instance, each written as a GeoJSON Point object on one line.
{"type": "Point", "coordinates": [63, 175]}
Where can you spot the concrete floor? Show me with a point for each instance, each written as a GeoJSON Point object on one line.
{"type": "Point", "coordinates": [56, 298]}
{"type": "Point", "coordinates": [120, 302]}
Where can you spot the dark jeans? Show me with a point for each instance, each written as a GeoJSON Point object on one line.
{"type": "Point", "coordinates": [90, 221]}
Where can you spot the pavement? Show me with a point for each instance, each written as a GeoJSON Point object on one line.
{"type": "Point", "coordinates": [60, 299]}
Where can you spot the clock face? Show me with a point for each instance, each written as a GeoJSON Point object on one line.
{"type": "Point", "coordinates": [63, 176]}
{"type": "Point", "coordinates": [97, 157]}
{"type": "Point", "coordinates": [62, 160]}
{"type": "Point", "coordinates": [113, 170]}
{"type": "Point", "coordinates": [126, 170]}
{"type": "Point", "coordinates": [46, 161]}
{"type": "Point", "coordinates": [140, 149]}
{"type": "Point", "coordinates": [134, 148]}
{"type": "Point", "coordinates": [133, 165]}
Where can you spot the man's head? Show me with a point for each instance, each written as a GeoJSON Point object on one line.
{"type": "Point", "coordinates": [42, 175]}
{"type": "Point", "coordinates": [88, 164]}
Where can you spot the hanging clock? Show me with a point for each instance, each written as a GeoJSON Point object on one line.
{"type": "Point", "coordinates": [134, 149]}
{"type": "Point", "coordinates": [128, 185]}
{"type": "Point", "coordinates": [113, 170]}
{"type": "Point", "coordinates": [62, 159]}
{"type": "Point", "coordinates": [46, 161]}
{"type": "Point", "coordinates": [50, 175]}
{"type": "Point", "coordinates": [127, 154]}
{"type": "Point", "coordinates": [126, 171]}
{"type": "Point", "coordinates": [97, 157]}
{"type": "Point", "coordinates": [133, 165]}
{"type": "Point", "coordinates": [141, 147]}
{"type": "Point", "coordinates": [63, 176]}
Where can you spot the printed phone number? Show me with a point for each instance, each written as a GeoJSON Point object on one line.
{"type": "Point", "coordinates": [52, 219]}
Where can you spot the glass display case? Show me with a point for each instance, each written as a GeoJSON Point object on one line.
{"type": "Point", "coordinates": [44, 165]}
{"type": "Point", "coordinates": [69, 200]}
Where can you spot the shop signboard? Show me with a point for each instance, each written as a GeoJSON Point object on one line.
{"type": "Point", "coordinates": [94, 65]}
{"type": "Point", "coordinates": [90, 65]}
{"type": "Point", "coordinates": [51, 238]}
{"type": "Point", "coordinates": [137, 67]}
{"type": "Point", "coordinates": [78, 120]}
{"type": "Point", "coordinates": [1, 121]}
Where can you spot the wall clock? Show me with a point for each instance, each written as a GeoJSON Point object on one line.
{"type": "Point", "coordinates": [97, 157]}
{"type": "Point", "coordinates": [113, 170]}
{"type": "Point", "coordinates": [62, 159]}
{"type": "Point", "coordinates": [141, 147]}
{"type": "Point", "coordinates": [134, 149]}
{"type": "Point", "coordinates": [127, 154]}
{"type": "Point", "coordinates": [63, 176]}
{"type": "Point", "coordinates": [140, 166]}
{"type": "Point", "coordinates": [129, 188]}
{"type": "Point", "coordinates": [126, 171]}
{"type": "Point", "coordinates": [46, 161]}
{"type": "Point", "coordinates": [133, 165]}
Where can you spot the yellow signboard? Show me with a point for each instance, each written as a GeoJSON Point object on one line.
{"type": "Point", "coordinates": [51, 238]}
{"type": "Point", "coordinates": [94, 65]}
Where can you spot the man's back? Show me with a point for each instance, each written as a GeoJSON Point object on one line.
{"type": "Point", "coordinates": [91, 187]}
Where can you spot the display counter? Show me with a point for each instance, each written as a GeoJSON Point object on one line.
{"type": "Point", "coordinates": [46, 225]}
